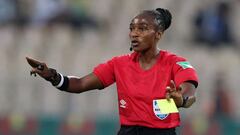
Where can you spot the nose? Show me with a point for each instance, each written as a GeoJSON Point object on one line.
{"type": "Point", "coordinates": [133, 34]}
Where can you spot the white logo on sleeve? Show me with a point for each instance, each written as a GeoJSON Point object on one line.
{"type": "Point", "coordinates": [123, 103]}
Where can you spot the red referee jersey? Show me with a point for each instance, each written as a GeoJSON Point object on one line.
{"type": "Point", "coordinates": [138, 88]}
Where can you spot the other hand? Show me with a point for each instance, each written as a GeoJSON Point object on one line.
{"type": "Point", "coordinates": [173, 92]}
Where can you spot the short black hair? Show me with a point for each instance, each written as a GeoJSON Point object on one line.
{"type": "Point", "coordinates": [162, 17]}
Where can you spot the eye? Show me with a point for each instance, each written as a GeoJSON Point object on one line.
{"type": "Point", "coordinates": [130, 28]}
{"type": "Point", "coordinates": [143, 28]}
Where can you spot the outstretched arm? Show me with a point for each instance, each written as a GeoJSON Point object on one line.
{"type": "Point", "coordinates": [86, 83]}
{"type": "Point", "coordinates": [75, 84]}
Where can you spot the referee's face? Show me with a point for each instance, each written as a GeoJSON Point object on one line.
{"type": "Point", "coordinates": [143, 34]}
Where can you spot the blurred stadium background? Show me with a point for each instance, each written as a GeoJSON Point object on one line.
{"type": "Point", "coordinates": [73, 36]}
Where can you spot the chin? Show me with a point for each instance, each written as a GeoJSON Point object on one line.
{"type": "Point", "coordinates": [137, 50]}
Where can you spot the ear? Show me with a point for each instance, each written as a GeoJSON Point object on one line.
{"type": "Point", "coordinates": [158, 34]}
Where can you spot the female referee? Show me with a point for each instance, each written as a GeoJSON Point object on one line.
{"type": "Point", "coordinates": [142, 77]}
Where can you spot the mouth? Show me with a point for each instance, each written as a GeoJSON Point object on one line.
{"type": "Point", "coordinates": [135, 43]}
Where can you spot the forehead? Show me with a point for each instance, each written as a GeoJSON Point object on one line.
{"type": "Point", "coordinates": [143, 19]}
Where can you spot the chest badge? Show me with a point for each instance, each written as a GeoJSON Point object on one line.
{"type": "Point", "coordinates": [157, 111]}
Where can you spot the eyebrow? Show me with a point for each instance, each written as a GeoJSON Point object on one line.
{"type": "Point", "coordinates": [143, 23]}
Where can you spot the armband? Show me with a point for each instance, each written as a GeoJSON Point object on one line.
{"type": "Point", "coordinates": [63, 84]}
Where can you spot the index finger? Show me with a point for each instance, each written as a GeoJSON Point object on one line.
{"type": "Point", "coordinates": [172, 85]}
{"type": "Point", "coordinates": [33, 63]}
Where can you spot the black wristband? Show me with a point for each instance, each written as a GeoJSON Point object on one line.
{"type": "Point", "coordinates": [65, 84]}
{"type": "Point", "coordinates": [185, 99]}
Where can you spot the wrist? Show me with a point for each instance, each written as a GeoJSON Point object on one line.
{"type": "Point", "coordinates": [59, 81]}
{"type": "Point", "coordinates": [63, 82]}
{"type": "Point", "coordinates": [54, 77]}
{"type": "Point", "coordinates": [185, 99]}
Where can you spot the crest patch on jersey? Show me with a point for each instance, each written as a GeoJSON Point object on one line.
{"type": "Point", "coordinates": [157, 111]}
{"type": "Point", "coordinates": [184, 64]}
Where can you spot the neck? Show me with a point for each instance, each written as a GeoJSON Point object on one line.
{"type": "Point", "coordinates": [150, 55]}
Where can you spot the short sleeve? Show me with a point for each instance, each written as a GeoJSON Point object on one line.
{"type": "Point", "coordinates": [105, 72]}
{"type": "Point", "coordinates": [183, 71]}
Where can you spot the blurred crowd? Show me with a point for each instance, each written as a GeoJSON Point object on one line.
{"type": "Point", "coordinates": [73, 36]}
{"type": "Point", "coordinates": [45, 12]}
